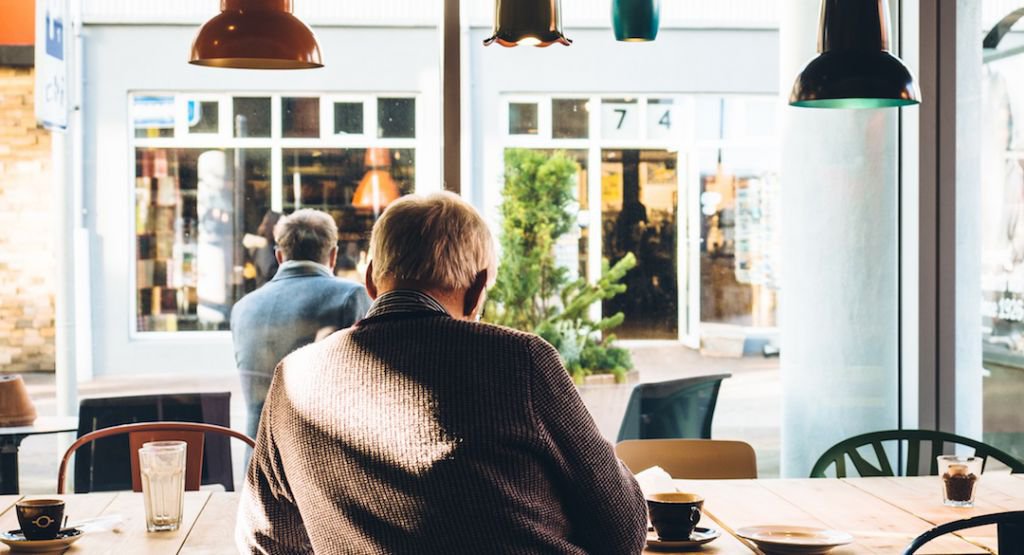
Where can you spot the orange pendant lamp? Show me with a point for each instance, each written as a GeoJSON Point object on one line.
{"type": "Point", "coordinates": [256, 34]}
{"type": "Point", "coordinates": [377, 189]}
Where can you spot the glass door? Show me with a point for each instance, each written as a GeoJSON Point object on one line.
{"type": "Point", "coordinates": [640, 215]}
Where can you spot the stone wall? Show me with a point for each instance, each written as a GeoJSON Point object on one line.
{"type": "Point", "coordinates": [27, 284]}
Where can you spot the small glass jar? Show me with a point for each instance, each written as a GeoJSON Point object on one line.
{"type": "Point", "coordinates": [960, 477]}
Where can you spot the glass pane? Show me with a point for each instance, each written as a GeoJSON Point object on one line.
{"type": "Point", "coordinates": [193, 211]}
{"type": "Point", "coordinates": [522, 118]}
{"type": "Point", "coordinates": [639, 215]}
{"type": "Point", "coordinates": [348, 118]}
{"type": "Point", "coordinates": [570, 118]}
{"type": "Point", "coordinates": [620, 119]}
{"type": "Point", "coordinates": [252, 117]}
{"type": "Point", "coordinates": [1002, 256]}
{"type": "Point", "coordinates": [740, 233]}
{"type": "Point", "coordinates": [396, 118]}
{"type": "Point", "coordinates": [663, 119]}
{"type": "Point", "coordinates": [300, 117]}
{"type": "Point", "coordinates": [353, 186]}
{"type": "Point", "coordinates": [153, 116]}
{"type": "Point", "coordinates": [203, 117]}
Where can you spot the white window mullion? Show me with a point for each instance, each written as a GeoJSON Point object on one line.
{"type": "Point", "coordinates": [276, 179]}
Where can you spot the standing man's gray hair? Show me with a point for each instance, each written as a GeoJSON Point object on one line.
{"type": "Point", "coordinates": [306, 235]}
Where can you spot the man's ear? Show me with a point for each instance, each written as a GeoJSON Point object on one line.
{"type": "Point", "coordinates": [474, 294]}
{"type": "Point", "coordinates": [371, 287]}
{"type": "Point", "coordinates": [279, 255]}
{"type": "Point", "coordinates": [332, 258]}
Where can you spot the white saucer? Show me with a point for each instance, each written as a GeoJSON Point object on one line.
{"type": "Point", "coordinates": [18, 544]}
{"type": "Point", "coordinates": [794, 540]}
{"type": "Point", "coordinates": [699, 537]}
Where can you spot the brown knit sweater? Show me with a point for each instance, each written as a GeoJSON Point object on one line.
{"type": "Point", "coordinates": [414, 432]}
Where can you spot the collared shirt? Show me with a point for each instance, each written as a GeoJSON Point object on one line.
{"type": "Point", "coordinates": [404, 300]}
{"type": "Point", "coordinates": [303, 266]}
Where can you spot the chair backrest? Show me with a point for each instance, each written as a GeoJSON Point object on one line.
{"type": "Point", "coordinates": [104, 464]}
{"type": "Point", "coordinates": [850, 449]}
{"type": "Point", "coordinates": [1009, 527]}
{"type": "Point", "coordinates": [672, 409]}
{"type": "Point", "coordinates": [191, 433]}
{"type": "Point", "coordinates": [695, 459]}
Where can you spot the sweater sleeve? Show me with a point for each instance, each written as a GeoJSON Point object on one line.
{"type": "Point", "coordinates": [604, 503]}
{"type": "Point", "coordinates": [268, 519]}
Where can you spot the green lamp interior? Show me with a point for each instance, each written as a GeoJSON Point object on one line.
{"type": "Point", "coordinates": [853, 103]}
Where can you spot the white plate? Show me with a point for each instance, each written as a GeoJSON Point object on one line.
{"type": "Point", "coordinates": [794, 540]}
{"type": "Point", "coordinates": [699, 537]}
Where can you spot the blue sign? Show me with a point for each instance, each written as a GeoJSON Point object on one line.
{"type": "Point", "coordinates": [54, 36]}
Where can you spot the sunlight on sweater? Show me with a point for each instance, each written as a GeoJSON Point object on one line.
{"type": "Point", "coordinates": [404, 430]}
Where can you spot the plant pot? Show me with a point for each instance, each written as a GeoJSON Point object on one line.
{"type": "Point", "coordinates": [16, 408]}
{"type": "Point", "coordinates": [607, 400]}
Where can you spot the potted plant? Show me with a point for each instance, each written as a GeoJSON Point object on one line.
{"type": "Point", "coordinates": [532, 292]}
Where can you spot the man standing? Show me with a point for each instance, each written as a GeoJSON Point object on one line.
{"type": "Point", "coordinates": [420, 430]}
{"type": "Point", "coordinates": [304, 302]}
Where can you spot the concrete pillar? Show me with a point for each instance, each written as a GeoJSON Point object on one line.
{"type": "Point", "coordinates": [839, 298]}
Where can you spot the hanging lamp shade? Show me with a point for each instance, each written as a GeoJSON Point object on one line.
{"type": "Point", "coordinates": [636, 20]}
{"type": "Point", "coordinates": [376, 191]}
{"type": "Point", "coordinates": [527, 23]}
{"type": "Point", "coordinates": [854, 68]}
{"type": "Point", "coordinates": [256, 34]}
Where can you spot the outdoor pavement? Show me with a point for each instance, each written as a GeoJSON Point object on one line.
{"type": "Point", "coordinates": [749, 405]}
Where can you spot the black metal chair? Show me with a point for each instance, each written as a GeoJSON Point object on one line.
{"type": "Point", "coordinates": [104, 465]}
{"type": "Point", "coordinates": [849, 449]}
{"type": "Point", "coordinates": [674, 409]}
{"type": "Point", "coordinates": [1010, 526]}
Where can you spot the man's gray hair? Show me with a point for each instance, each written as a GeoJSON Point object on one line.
{"type": "Point", "coordinates": [306, 235]}
{"type": "Point", "coordinates": [437, 240]}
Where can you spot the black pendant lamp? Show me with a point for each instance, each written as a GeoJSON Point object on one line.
{"type": "Point", "coordinates": [855, 68]}
{"type": "Point", "coordinates": [528, 23]}
{"type": "Point", "coordinates": [636, 20]}
{"type": "Point", "coordinates": [256, 34]}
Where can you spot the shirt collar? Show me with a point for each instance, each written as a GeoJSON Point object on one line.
{"type": "Point", "coordinates": [303, 267]}
{"type": "Point", "coordinates": [404, 300]}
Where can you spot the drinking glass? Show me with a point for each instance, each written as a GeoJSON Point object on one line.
{"type": "Point", "coordinates": [960, 477]}
{"type": "Point", "coordinates": [162, 464]}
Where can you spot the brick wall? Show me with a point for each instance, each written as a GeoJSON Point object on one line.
{"type": "Point", "coordinates": [26, 223]}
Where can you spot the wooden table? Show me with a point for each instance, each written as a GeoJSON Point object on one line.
{"type": "Point", "coordinates": [883, 514]}
{"type": "Point", "coordinates": [208, 526]}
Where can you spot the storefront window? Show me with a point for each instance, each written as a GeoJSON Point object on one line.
{"type": "Point", "coordinates": [206, 204]}
{"type": "Point", "coordinates": [1002, 254]}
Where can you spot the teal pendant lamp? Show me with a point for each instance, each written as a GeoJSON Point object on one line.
{"type": "Point", "coordinates": [636, 20]}
{"type": "Point", "coordinates": [854, 68]}
{"type": "Point", "coordinates": [528, 23]}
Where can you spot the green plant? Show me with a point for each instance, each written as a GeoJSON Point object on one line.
{"type": "Point", "coordinates": [534, 214]}
{"type": "Point", "coordinates": [532, 293]}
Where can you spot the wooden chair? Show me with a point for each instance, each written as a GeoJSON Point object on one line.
{"type": "Point", "coordinates": [673, 409]}
{"type": "Point", "coordinates": [1009, 528]}
{"type": "Point", "coordinates": [190, 432]}
{"type": "Point", "coordinates": [849, 449]}
{"type": "Point", "coordinates": [695, 459]}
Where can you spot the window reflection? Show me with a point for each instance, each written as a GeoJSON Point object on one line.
{"type": "Point", "coordinates": [193, 208]}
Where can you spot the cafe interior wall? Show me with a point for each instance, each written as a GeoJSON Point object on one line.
{"type": "Point", "coordinates": [121, 59]}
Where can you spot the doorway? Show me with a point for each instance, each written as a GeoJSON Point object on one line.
{"type": "Point", "coordinates": [640, 215]}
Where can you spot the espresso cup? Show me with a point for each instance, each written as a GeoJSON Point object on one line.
{"type": "Point", "coordinates": [40, 519]}
{"type": "Point", "coordinates": [675, 515]}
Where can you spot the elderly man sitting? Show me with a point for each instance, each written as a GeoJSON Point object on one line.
{"type": "Point", "coordinates": [420, 430]}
